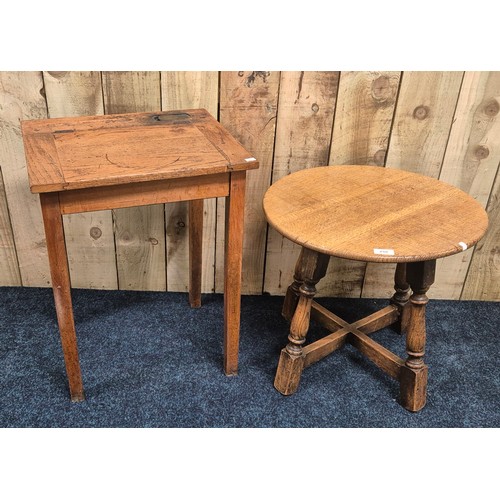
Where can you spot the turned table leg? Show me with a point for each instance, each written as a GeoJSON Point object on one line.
{"type": "Point", "coordinates": [413, 379]}
{"type": "Point", "coordinates": [311, 268]}
{"type": "Point", "coordinates": [292, 293]}
{"type": "Point", "coordinates": [233, 256]}
{"type": "Point", "coordinates": [61, 285]}
{"type": "Point", "coordinates": [401, 297]}
{"type": "Point", "coordinates": [195, 251]}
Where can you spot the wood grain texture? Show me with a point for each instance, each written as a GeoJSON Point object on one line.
{"type": "Point", "coordinates": [140, 248]}
{"type": "Point", "coordinates": [330, 210]}
{"type": "Point", "coordinates": [142, 193]}
{"type": "Point", "coordinates": [470, 163]}
{"type": "Point", "coordinates": [21, 97]}
{"type": "Point", "coordinates": [413, 377]}
{"type": "Point", "coordinates": [369, 324]}
{"type": "Point", "coordinates": [9, 269]}
{"type": "Point", "coordinates": [426, 128]}
{"type": "Point", "coordinates": [422, 122]}
{"type": "Point", "coordinates": [131, 91]}
{"type": "Point", "coordinates": [144, 147]}
{"type": "Point", "coordinates": [293, 291]}
{"type": "Point", "coordinates": [233, 253]}
{"type": "Point", "coordinates": [424, 114]}
{"type": "Point", "coordinates": [401, 297]}
{"type": "Point", "coordinates": [190, 89]}
{"type": "Point", "coordinates": [483, 276]}
{"type": "Point", "coordinates": [180, 90]}
{"type": "Point", "coordinates": [147, 150]}
{"type": "Point", "coordinates": [248, 106]}
{"type": "Point", "coordinates": [365, 108]}
{"type": "Point", "coordinates": [340, 330]}
{"type": "Point", "coordinates": [135, 147]}
{"type": "Point", "coordinates": [305, 118]}
{"type": "Point", "coordinates": [89, 237]}
{"type": "Point", "coordinates": [61, 286]}
{"type": "Point", "coordinates": [378, 281]}
{"type": "Point", "coordinates": [195, 251]}
{"type": "Point", "coordinates": [73, 93]}
{"type": "Point", "coordinates": [310, 269]}
{"type": "Point", "coordinates": [139, 231]}
{"type": "Point", "coordinates": [313, 268]}
{"type": "Point", "coordinates": [378, 354]}
{"type": "Point", "coordinates": [363, 118]}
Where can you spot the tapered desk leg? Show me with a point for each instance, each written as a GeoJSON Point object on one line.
{"type": "Point", "coordinates": [235, 210]}
{"type": "Point", "coordinates": [56, 248]}
{"type": "Point", "coordinates": [195, 251]}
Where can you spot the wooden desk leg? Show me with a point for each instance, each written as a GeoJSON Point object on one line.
{"type": "Point", "coordinates": [311, 269]}
{"type": "Point", "coordinates": [233, 256]}
{"type": "Point", "coordinates": [59, 270]}
{"type": "Point", "coordinates": [195, 251]}
{"type": "Point", "coordinates": [413, 378]}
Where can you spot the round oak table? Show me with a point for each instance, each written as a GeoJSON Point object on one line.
{"type": "Point", "coordinates": [370, 214]}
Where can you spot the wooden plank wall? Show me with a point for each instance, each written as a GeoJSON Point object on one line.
{"type": "Point", "coordinates": [442, 124]}
{"type": "Point", "coordinates": [89, 236]}
{"type": "Point", "coordinates": [184, 90]}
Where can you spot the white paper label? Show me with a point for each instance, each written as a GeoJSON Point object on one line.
{"type": "Point", "coordinates": [463, 245]}
{"type": "Point", "coordinates": [383, 251]}
{"type": "Point", "coordinates": [251, 159]}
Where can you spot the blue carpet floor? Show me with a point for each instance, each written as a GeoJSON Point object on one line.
{"type": "Point", "coordinates": [148, 360]}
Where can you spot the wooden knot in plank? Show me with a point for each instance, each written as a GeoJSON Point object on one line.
{"type": "Point", "coordinates": [379, 157]}
{"type": "Point", "coordinates": [492, 108]}
{"type": "Point", "coordinates": [95, 233]}
{"type": "Point", "coordinates": [381, 89]}
{"type": "Point", "coordinates": [481, 152]}
{"type": "Point", "coordinates": [57, 74]}
{"type": "Point", "coordinates": [421, 112]}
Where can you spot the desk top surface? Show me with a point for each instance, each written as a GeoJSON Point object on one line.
{"type": "Point", "coordinates": [91, 151]}
{"type": "Point", "coordinates": [374, 214]}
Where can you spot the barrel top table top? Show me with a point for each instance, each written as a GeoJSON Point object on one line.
{"type": "Point", "coordinates": [92, 151]}
{"type": "Point", "coordinates": [374, 214]}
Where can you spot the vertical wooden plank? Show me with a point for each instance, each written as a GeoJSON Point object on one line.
{"type": "Point", "coordinates": [89, 237]}
{"type": "Point", "coordinates": [422, 122]}
{"type": "Point", "coordinates": [73, 93]}
{"type": "Point", "coordinates": [131, 91]}
{"type": "Point", "coordinates": [248, 106]}
{"type": "Point", "coordinates": [379, 280]}
{"type": "Point", "coordinates": [182, 90]}
{"type": "Point", "coordinates": [139, 231]}
{"type": "Point", "coordinates": [303, 133]}
{"type": "Point", "coordinates": [9, 269]}
{"type": "Point", "coordinates": [365, 110]}
{"type": "Point", "coordinates": [21, 98]}
{"type": "Point", "coordinates": [470, 163]}
{"type": "Point", "coordinates": [483, 278]}
{"type": "Point", "coordinates": [424, 114]}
